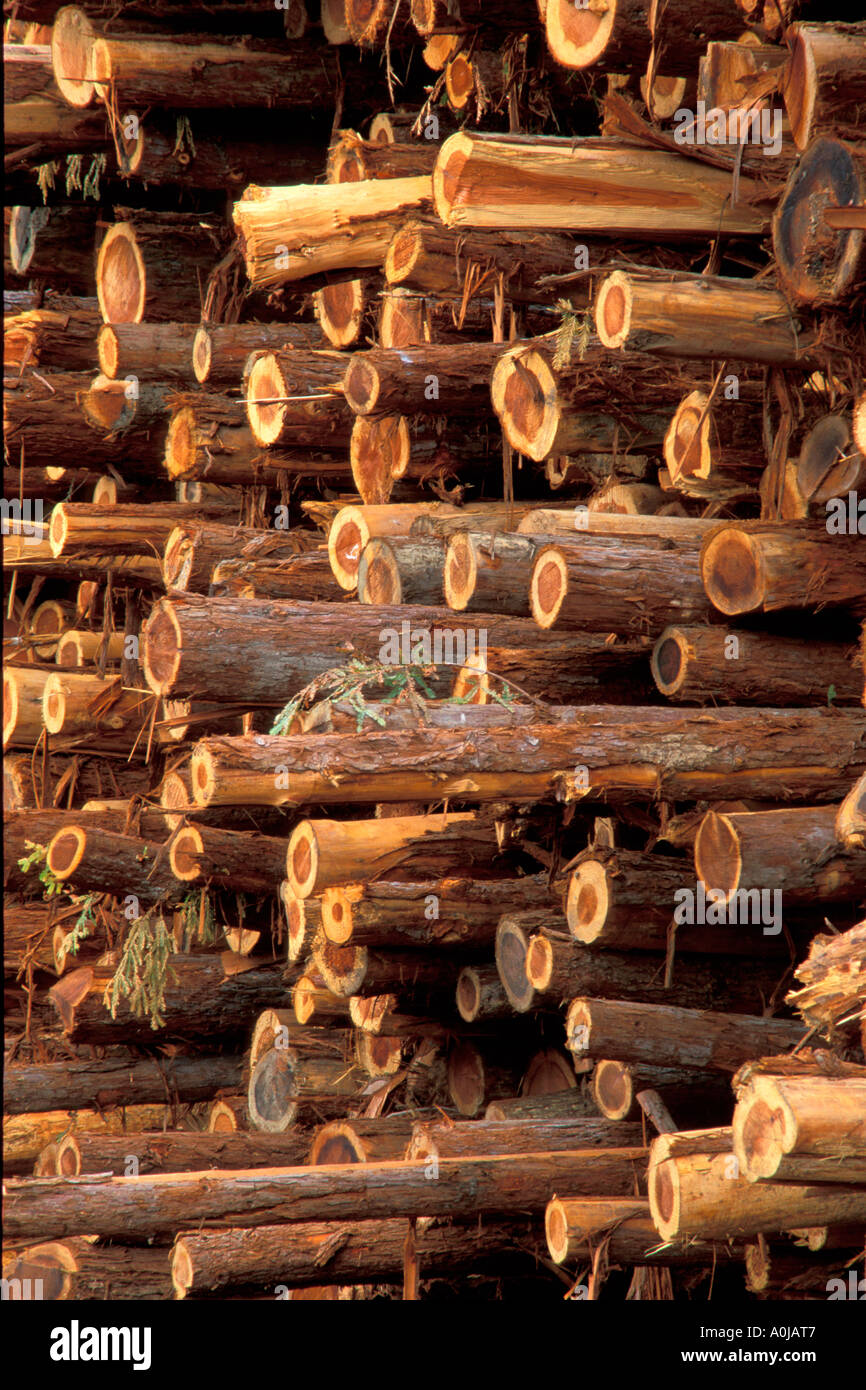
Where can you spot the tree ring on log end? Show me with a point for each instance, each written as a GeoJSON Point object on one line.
{"type": "Point", "coordinates": [718, 858]}
{"type": "Point", "coordinates": [578, 1028]}
{"type": "Point", "coordinates": [53, 1263]}
{"type": "Point", "coordinates": [827, 467]}
{"type": "Point", "coordinates": [577, 37]}
{"type": "Point", "coordinates": [203, 776]}
{"type": "Point", "coordinates": [339, 310]}
{"type": "Point", "coordinates": [446, 177]}
{"type": "Point", "coordinates": [72, 39]}
{"type": "Point", "coordinates": [511, 964]}
{"type": "Point", "coordinates": [266, 384]}
{"type": "Point", "coordinates": [757, 1132]}
{"type": "Point", "coordinates": [379, 575]}
{"type": "Point", "coordinates": [181, 1269]}
{"type": "Point", "coordinates": [800, 87]}
{"type": "Point", "coordinates": [347, 538]}
{"type": "Point", "coordinates": [121, 276]}
{"type": "Point", "coordinates": [466, 1081]}
{"type": "Point", "coordinates": [664, 1198]}
{"type": "Point", "coordinates": [818, 263]}
{"type": "Point", "coordinates": [669, 661]}
{"type": "Point", "coordinates": [556, 1231]}
{"type": "Point", "coordinates": [68, 1157]}
{"type": "Point", "coordinates": [587, 901]}
{"type": "Point", "coordinates": [108, 350]}
{"type": "Point", "coordinates": [459, 82]}
{"type": "Point", "coordinates": [337, 915]}
{"type": "Point", "coordinates": [54, 704]}
{"type": "Point", "coordinates": [361, 385]}
{"type": "Point", "coordinates": [66, 851]}
{"type": "Point", "coordinates": [613, 1089]}
{"type": "Point", "coordinates": [181, 445]}
{"type": "Point", "coordinates": [402, 254]}
{"type": "Point", "coordinates": [523, 392]}
{"type": "Point", "coordinates": [58, 530]}
{"type": "Point", "coordinates": [539, 963]}
{"type": "Point", "coordinates": [377, 1054]}
{"type": "Point", "coordinates": [272, 1091]}
{"type": "Point", "coordinates": [336, 1143]}
{"type": "Point", "coordinates": [459, 571]}
{"type": "Point", "coordinates": [613, 310]}
{"type": "Point", "coordinates": [732, 572]}
{"type": "Point", "coordinates": [687, 441]}
{"type": "Point", "coordinates": [183, 855]}
{"type": "Point", "coordinates": [548, 1074]}
{"type": "Point", "coordinates": [380, 450]}
{"type": "Point", "coordinates": [548, 586]}
{"type": "Point", "coordinates": [341, 967]}
{"type": "Point", "coordinates": [24, 227]}
{"type": "Point", "coordinates": [302, 860]}
{"type": "Point", "coordinates": [296, 920]}
{"type": "Point", "coordinates": [100, 70]}
{"type": "Point", "coordinates": [202, 354]}
{"type": "Point", "coordinates": [468, 994]}
{"type": "Point", "coordinates": [163, 645]}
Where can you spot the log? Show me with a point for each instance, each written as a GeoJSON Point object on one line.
{"type": "Point", "coordinates": [824, 78]}
{"type": "Point", "coordinates": [580, 583]}
{"type": "Point", "coordinates": [699, 1195]}
{"type": "Point", "coordinates": [200, 1002]}
{"type": "Point", "coordinates": [76, 1270]}
{"type": "Point", "coordinates": [349, 970]}
{"type": "Point", "coordinates": [194, 550]}
{"type": "Point", "coordinates": [81, 776]}
{"type": "Point", "coordinates": [480, 994]}
{"type": "Point", "coordinates": [162, 1203]}
{"type": "Point", "coordinates": [400, 571]}
{"type": "Point", "coordinates": [294, 399]}
{"type": "Point", "coordinates": [455, 911]}
{"type": "Point", "coordinates": [794, 852]}
{"type": "Point", "coordinates": [573, 1104]}
{"type": "Point", "coordinates": [620, 39]}
{"type": "Point", "coordinates": [58, 336]}
{"type": "Point", "coordinates": [666, 1036]}
{"type": "Point", "coordinates": [651, 753]}
{"type": "Point", "coordinates": [325, 853]}
{"type": "Point", "coordinates": [526, 181]}
{"type": "Point", "coordinates": [72, 1085]}
{"type": "Point", "coordinates": [387, 448]}
{"type": "Point", "coordinates": [105, 862]}
{"type": "Point", "coordinates": [432, 1141]}
{"type": "Point", "coordinates": [306, 1252]}
{"type": "Point", "coordinates": [220, 350]}
{"type": "Point", "coordinates": [559, 970]}
{"type": "Point", "coordinates": [429, 258]}
{"type": "Point", "coordinates": [289, 233]}
{"type": "Point", "coordinates": [313, 1003]}
{"type": "Point", "coordinates": [60, 415]}
{"type": "Point", "coordinates": [851, 817]}
{"type": "Point", "coordinates": [58, 244]}
{"type": "Point", "coordinates": [236, 859]}
{"type": "Point", "coordinates": [23, 688]}
{"type": "Point", "coordinates": [489, 572]}
{"type": "Point", "coordinates": [801, 1129]}
{"type": "Point", "coordinates": [78, 649]}
{"type": "Point", "coordinates": [829, 465]}
{"type": "Point", "coordinates": [352, 160]}
{"type": "Point", "coordinates": [720, 448]}
{"type": "Point", "coordinates": [817, 264]}
{"type": "Point", "coordinates": [286, 1085]}
{"type": "Point", "coordinates": [154, 266]}
{"type": "Point", "coordinates": [770, 565]}
{"type": "Point", "coordinates": [205, 159]}
{"type": "Point", "coordinates": [582, 518]}
{"type": "Point", "coordinates": [354, 527]}
{"type": "Point", "coordinates": [28, 933]}
{"type": "Point", "coordinates": [346, 311]}
{"type": "Point", "coordinates": [146, 350]}
{"type": "Point", "coordinates": [619, 1090]}
{"type": "Point", "coordinates": [25, 1135]}
{"type": "Point", "coordinates": [702, 665]}
{"type": "Point", "coordinates": [100, 710]}
{"type": "Point", "coordinates": [126, 528]}
{"type": "Point", "coordinates": [833, 981]}
{"type": "Point", "coordinates": [702, 316]}
{"type": "Point", "coordinates": [422, 380]}
{"type": "Point", "coordinates": [176, 1152]}
{"type": "Point", "coordinates": [577, 1226]}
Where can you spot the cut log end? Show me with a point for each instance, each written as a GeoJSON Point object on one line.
{"type": "Point", "coordinates": [377, 1054]}
{"type": "Point", "coordinates": [379, 575]}
{"type": "Point", "coordinates": [68, 1162]}
{"type": "Point", "coordinates": [511, 950]}
{"type": "Point", "coordinates": [162, 650]}
{"type": "Point", "coordinates": [108, 350]}
{"type": "Point", "coordinates": [183, 855]}
{"type": "Point", "coordinates": [669, 661]}
{"type": "Point", "coordinates": [181, 1269]}
{"type": "Point", "coordinates": [361, 385]}
{"type": "Point", "coordinates": [472, 683]}
{"type": "Point", "coordinates": [302, 860]}
{"type": "Point", "coordinates": [800, 86]}
{"type": "Point", "coordinates": [459, 571]}
{"type": "Point", "coordinates": [121, 277]}
{"type": "Point", "coordinates": [339, 310]}
{"type": "Point", "coordinates": [613, 310]}
{"type": "Point", "coordinates": [687, 442]}
{"type": "Point", "coordinates": [271, 1094]}
{"type": "Point", "coordinates": [718, 860]}
{"type": "Point", "coordinates": [341, 967]}
{"type": "Point", "coordinates": [337, 915]}
{"type": "Point", "coordinates": [664, 1198]}
{"type": "Point", "coordinates": [556, 1230]}
{"type": "Point", "coordinates": [613, 1089]}
{"type": "Point", "coordinates": [265, 386]}
{"type": "Point", "coordinates": [202, 354]}
{"type": "Point", "coordinates": [459, 82]}
{"type": "Point", "coordinates": [548, 586]}
{"type": "Point", "coordinates": [466, 1081]}
{"type": "Point", "coordinates": [468, 994]}
{"type": "Point", "coordinates": [757, 1136]}
{"type": "Point", "coordinates": [72, 39]}
{"type": "Point", "coordinates": [731, 572]}
{"type": "Point", "coordinates": [66, 851]}
{"type": "Point", "coordinates": [379, 452]}
{"type": "Point", "coordinates": [587, 901]}
{"type": "Point", "coordinates": [446, 176]}
{"type": "Point", "coordinates": [539, 963]}
{"type": "Point", "coordinates": [402, 255]}
{"type": "Point", "coordinates": [577, 37]}
{"type": "Point", "coordinates": [819, 264]}
{"type": "Point", "coordinates": [181, 450]}
{"type": "Point", "coordinates": [530, 416]}
{"type": "Point", "coordinates": [348, 536]}
{"type": "Point", "coordinates": [336, 1143]}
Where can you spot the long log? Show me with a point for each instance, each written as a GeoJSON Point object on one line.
{"type": "Point", "coordinates": [802, 1129]}
{"type": "Point", "coordinates": [105, 862]}
{"type": "Point", "coordinates": [287, 1085]}
{"type": "Point", "coordinates": [702, 1195]}
{"type": "Point", "coordinates": [793, 851]}
{"type": "Point", "coordinates": [76, 1270]}
{"type": "Point", "coordinates": [465, 1139]}
{"type": "Point", "coordinates": [577, 1226]}
{"type": "Point", "coordinates": [26, 1135]}
{"type": "Point", "coordinates": [362, 1140]}
{"type": "Point", "coordinates": [351, 970]}
{"type": "Point", "coordinates": [746, 566]}
{"type": "Point", "coordinates": [601, 185]}
{"type": "Point", "coordinates": [160, 350]}
{"type": "Point", "coordinates": [71, 1085]}
{"type": "Point", "coordinates": [351, 1252]}
{"type": "Point", "coordinates": [454, 911]}
{"type": "Point", "coordinates": [430, 258]}
{"type": "Point", "coordinates": [619, 39]}
{"type": "Point", "coordinates": [57, 243]}
{"type": "Point", "coordinates": [690, 1097]}
{"type": "Point", "coordinates": [220, 350]}
{"type": "Point", "coordinates": [154, 266]}
{"type": "Point", "coordinates": [700, 665]}
{"type": "Point", "coordinates": [176, 1152]}
{"type": "Point", "coordinates": [650, 753]}
{"type": "Point", "coordinates": [126, 528]}
{"type": "Point", "coordinates": [422, 380]}
{"type": "Point", "coordinates": [163, 1203]}
{"type": "Point", "coordinates": [238, 859]}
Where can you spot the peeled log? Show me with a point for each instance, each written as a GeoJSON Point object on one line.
{"type": "Point", "coordinates": [802, 1129]}
{"type": "Point", "coordinates": [290, 233]}
{"type": "Point", "coordinates": [598, 184]}
{"type": "Point", "coordinates": [790, 851]}
{"type": "Point", "coordinates": [697, 1195]}
{"type": "Point", "coordinates": [454, 911]}
{"type": "Point", "coordinates": [667, 753]}
{"type": "Point", "coordinates": [702, 316]}
{"type": "Point", "coordinates": [163, 1203]}
{"type": "Point", "coordinates": [628, 585]}
{"type": "Point", "coordinates": [155, 266]}
{"type": "Point", "coordinates": [750, 566]}
{"type": "Point", "coordinates": [693, 665]}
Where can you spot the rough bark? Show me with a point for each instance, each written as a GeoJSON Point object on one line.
{"type": "Point", "coordinates": [701, 665]}
{"type": "Point", "coordinates": [111, 1081]}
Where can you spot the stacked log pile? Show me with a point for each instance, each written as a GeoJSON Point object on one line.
{"type": "Point", "coordinates": [434, 650]}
